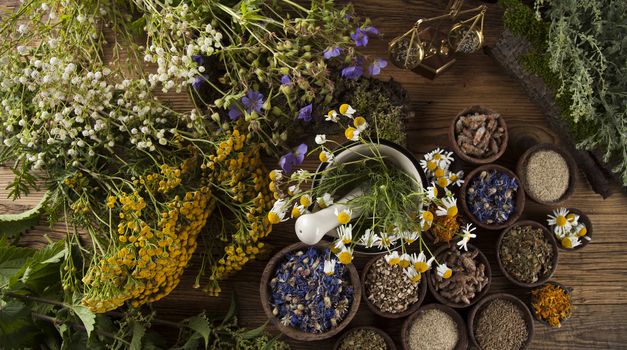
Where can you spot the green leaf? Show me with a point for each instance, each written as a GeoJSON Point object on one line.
{"type": "Point", "coordinates": [201, 325]}
{"type": "Point", "coordinates": [137, 26]}
{"type": "Point", "coordinates": [41, 270]}
{"type": "Point", "coordinates": [231, 312]}
{"type": "Point", "coordinates": [254, 333]}
{"type": "Point", "coordinates": [138, 334]}
{"type": "Point", "coordinates": [87, 317]}
{"type": "Point", "coordinates": [11, 260]}
{"type": "Point", "coordinates": [13, 225]}
{"type": "Point", "coordinates": [17, 329]}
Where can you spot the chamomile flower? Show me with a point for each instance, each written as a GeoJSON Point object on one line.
{"type": "Point", "coordinates": [329, 267]}
{"type": "Point", "coordinates": [360, 123]}
{"type": "Point", "coordinates": [351, 134]}
{"type": "Point", "coordinates": [440, 172]}
{"type": "Point", "coordinates": [343, 216]}
{"type": "Point", "coordinates": [410, 236]}
{"type": "Point", "coordinates": [444, 271]}
{"type": "Point", "coordinates": [325, 156]}
{"type": "Point", "coordinates": [412, 274]}
{"type": "Point", "coordinates": [276, 175]}
{"type": "Point", "coordinates": [449, 209]}
{"type": "Point", "coordinates": [347, 110]}
{"type": "Point", "coordinates": [345, 255]}
{"type": "Point", "coordinates": [345, 233]}
{"type": "Point", "coordinates": [278, 212]}
{"type": "Point", "coordinates": [432, 191]}
{"type": "Point", "coordinates": [569, 242]}
{"type": "Point", "coordinates": [443, 158]}
{"type": "Point", "coordinates": [466, 236]}
{"type": "Point", "coordinates": [428, 165]}
{"type": "Point", "coordinates": [426, 219]}
{"type": "Point", "coordinates": [297, 211]}
{"type": "Point", "coordinates": [420, 262]}
{"type": "Point", "coordinates": [321, 139]}
{"type": "Point", "coordinates": [393, 258]}
{"type": "Point", "coordinates": [456, 178]}
{"type": "Point", "coordinates": [405, 260]}
{"type": "Point", "coordinates": [368, 238]}
{"type": "Point", "coordinates": [560, 223]}
{"type": "Point", "coordinates": [580, 230]}
{"type": "Point", "coordinates": [325, 201]}
{"type": "Point", "coordinates": [305, 200]}
{"type": "Point", "coordinates": [573, 219]}
{"type": "Point", "coordinates": [293, 190]}
{"type": "Point", "coordinates": [385, 240]}
{"type": "Point", "coordinates": [337, 246]}
{"type": "Point", "coordinates": [332, 116]}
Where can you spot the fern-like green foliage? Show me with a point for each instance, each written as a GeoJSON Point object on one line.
{"type": "Point", "coordinates": [579, 48]}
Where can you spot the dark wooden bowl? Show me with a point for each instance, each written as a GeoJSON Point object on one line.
{"type": "Point", "coordinates": [520, 198]}
{"type": "Point", "coordinates": [452, 135]}
{"type": "Point", "coordinates": [462, 341]}
{"type": "Point", "coordinates": [475, 312]}
{"type": "Point", "coordinates": [569, 290]}
{"type": "Point", "coordinates": [521, 168]}
{"type": "Point", "coordinates": [548, 234]}
{"type": "Point", "coordinates": [431, 278]}
{"type": "Point", "coordinates": [388, 341]}
{"type": "Point", "coordinates": [411, 309]}
{"type": "Point", "coordinates": [586, 220]}
{"type": "Point", "coordinates": [294, 333]}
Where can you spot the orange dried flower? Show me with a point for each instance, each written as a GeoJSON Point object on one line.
{"type": "Point", "coordinates": [551, 303]}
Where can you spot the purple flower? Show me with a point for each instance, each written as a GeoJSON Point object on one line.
{"type": "Point", "coordinates": [331, 52]}
{"type": "Point", "coordinates": [376, 66]}
{"type": "Point", "coordinates": [360, 37]}
{"type": "Point", "coordinates": [352, 72]}
{"type": "Point", "coordinates": [293, 158]}
{"type": "Point", "coordinates": [198, 59]}
{"type": "Point", "coordinates": [285, 80]}
{"type": "Point", "coordinates": [253, 101]}
{"type": "Point", "coordinates": [372, 30]}
{"type": "Point", "coordinates": [305, 113]}
{"type": "Point", "coordinates": [234, 112]}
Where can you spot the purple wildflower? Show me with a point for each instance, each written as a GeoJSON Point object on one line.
{"type": "Point", "coordinates": [360, 36]}
{"type": "Point", "coordinates": [252, 101]}
{"type": "Point", "coordinates": [199, 81]}
{"type": "Point", "coordinates": [285, 80]}
{"type": "Point", "coordinates": [305, 113]}
{"type": "Point", "coordinates": [376, 66]}
{"type": "Point", "coordinates": [234, 112]}
{"type": "Point", "coordinates": [198, 59]}
{"type": "Point", "coordinates": [372, 30]}
{"type": "Point", "coordinates": [352, 72]}
{"type": "Point", "coordinates": [331, 52]}
{"type": "Point", "coordinates": [293, 158]}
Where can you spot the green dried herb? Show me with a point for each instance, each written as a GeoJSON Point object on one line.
{"type": "Point", "coordinates": [526, 254]}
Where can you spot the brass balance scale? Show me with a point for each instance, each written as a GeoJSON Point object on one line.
{"type": "Point", "coordinates": [429, 50]}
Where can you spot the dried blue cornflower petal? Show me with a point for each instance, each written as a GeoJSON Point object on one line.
{"type": "Point", "coordinates": [305, 297]}
{"type": "Point", "coordinates": [492, 196]}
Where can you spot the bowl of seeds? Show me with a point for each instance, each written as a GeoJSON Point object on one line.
{"type": "Point", "coordinates": [388, 291]}
{"type": "Point", "coordinates": [478, 135]}
{"type": "Point", "coordinates": [491, 197]}
{"type": "Point", "coordinates": [500, 322]}
{"type": "Point", "coordinates": [551, 303]}
{"type": "Point", "coordinates": [365, 338]}
{"type": "Point", "coordinates": [547, 173]}
{"type": "Point", "coordinates": [470, 280]}
{"type": "Point", "coordinates": [307, 294]}
{"type": "Point", "coordinates": [434, 327]}
{"type": "Point", "coordinates": [527, 253]}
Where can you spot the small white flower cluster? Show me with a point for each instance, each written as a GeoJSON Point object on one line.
{"type": "Point", "coordinates": [568, 228]}
{"type": "Point", "coordinates": [176, 36]}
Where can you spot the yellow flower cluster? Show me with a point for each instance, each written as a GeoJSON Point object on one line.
{"type": "Point", "coordinates": [167, 180]}
{"type": "Point", "coordinates": [148, 262]}
{"type": "Point", "coordinates": [76, 181]}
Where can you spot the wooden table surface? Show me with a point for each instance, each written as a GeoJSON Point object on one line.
{"type": "Point", "coordinates": [597, 273]}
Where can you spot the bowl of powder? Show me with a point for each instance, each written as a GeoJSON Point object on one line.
{"type": "Point", "coordinates": [547, 173]}
{"type": "Point", "coordinates": [434, 327]}
{"type": "Point", "coordinates": [500, 322]}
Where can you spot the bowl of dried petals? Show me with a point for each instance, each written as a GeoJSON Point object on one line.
{"type": "Point", "coordinates": [307, 293]}
{"type": "Point", "coordinates": [478, 135]}
{"type": "Point", "coordinates": [551, 303]}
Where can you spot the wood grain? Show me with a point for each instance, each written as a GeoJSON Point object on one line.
{"type": "Point", "coordinates": [597, 273]}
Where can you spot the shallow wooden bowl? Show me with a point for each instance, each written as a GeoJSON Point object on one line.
{"type": "Point", "coordinates": [388, 341]}
{"type": "Point", "coordinates": [452, 135]}
{"type": "Point", "coordinates": [462, 341]}
{"type": "Point", "coordinates": [294, 333]}
{"type": "Point", "coordinates": [411, 309]}
{"type": "Point", "coordinates": [475, 312]}
{"type": "Point", "coordinates": [431, 278]}
{"type": "Point", "coordinates": [520, 198]}
{"type": "Point", "coordinates": [548, 234]}
{"type": "Point", "coordinates": [584, 242]}
{"type": "Point", "coordinates": [521, 168]}
{"type": "Point", "coordinates": [569, 290]}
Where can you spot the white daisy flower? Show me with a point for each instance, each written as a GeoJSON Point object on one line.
{"type": "Point", "coordinates": [444, 271]}
{"type": "Point", "coordinates": [449, 209]}
{"type": "Point", "coordinates": [329, 267]}
{"type": "Point", "coordinates": [321, 139]}
{"type": "Point", "coordinates": [345, 233]}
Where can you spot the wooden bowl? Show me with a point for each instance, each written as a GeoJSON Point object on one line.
{"type": "Point", "coordinates": [462, 341]}
{"type": "Point", "coordinates": [388, 341]}
{"type": "Point", "coordinates": [520, 198]}
{"type": "Point", "coordinates": [584, 242]}
{"type": "Point", "coordinates": [551, 238]}
{"type": "Point", "coordinates": [568, 290]}
{"type": "Point", "coordinates": [294, 333]}
{"type": "Point", "coordinates": [452, 135]}
{"type": "Point", "coordinates": [411, 309]}
{"type": "Point", "coordinates": [431, 278]}
{"type": "Point", "coordinates": [475, 312]}
{"type": "Point", "coordinates": [521, 168]}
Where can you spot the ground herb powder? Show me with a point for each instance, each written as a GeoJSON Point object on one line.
{"type": "Point", "coordinates": [433, 330]}
{"type": "Point", "coordinates": [363, 339]}
{"type": "Point", "coordinates": [501, 326]}
{"type": "Point", "coordinates": [547, 175]}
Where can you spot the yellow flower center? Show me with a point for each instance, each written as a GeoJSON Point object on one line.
{"type": "Point", "coordinates": [343, 218]}
{"type": "Point", "coordinates": [305, 201]}
{"type": "Point", "coordinates": [427, 215]}
{"type": "Point", "coordinates": [345, 257]}
{"type": "Point", "coordinates": [432, 164]}
{"type": "Point", "coordinates": [443, 182]}
{"type": "Point", "coordinates": [454, 177]}
{"type": "Point", "coordinates": [349, 133]}
{"type": "Point", "coordinates": [272, 186]}
{"type": "Point", "coordinates": [447, 274]}
{"type": "Point", "coordinates": [346, 240]}
{"type": "Point", "coordinates": [567, 243]}
{"type": "Point", "coordinates": [582, 232]}
{"type": "Point", "coordinates": [329, 273]}
{"type": "Point", "coordinates": [323, 157]}
{"type": "Point", "coordinates": [359, 121]}
{"type": "Point", "coordinates": [404, 263]}
{"type": "Point", "coordinates": [416, 278]}
{"type": "Point", "coordinates": [570, 217]}
{"type": "Point", "coordinates": [344, 108]}
{"type": "Point", "coordinates": [331, 112]}
{"type": "Point", "coordinates": [560, 221]}
{"type": "Point", "coordinates": [439, 172]}
{"type": "Point", "coordinates": [274, 217]}
{"type": "Point", "coordinates": [437, 156]}
{"type": "Point", "coordinates": [421, 266]}
{"type": "Point", "coordinates": [452, 211]}
{"type": "Point", "coordinates": [334, 249]}
{"type": "Point", "coordinates": [394, 261]}
{"type": "Point", "coordinates": [295, 212]}
{"type": "Point", "coordinates": [273, 175]}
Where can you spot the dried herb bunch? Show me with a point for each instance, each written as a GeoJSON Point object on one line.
{"type": "Point", "coordinates": [310, 292]}
{"type": "Point", "coordinates": [526, 253]}
{"type": "Point", "coordinates": [551, 303]}
{"type": "Point", "coordinates": [492, 196]}
{"type": "Point", "coordinates": [468, 280]}
{"type": "Point", "coordinates": [479, 135]}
